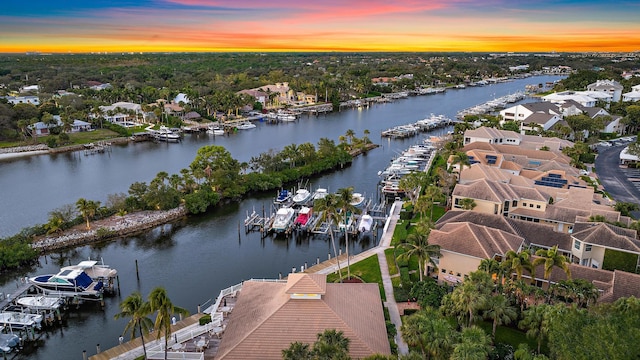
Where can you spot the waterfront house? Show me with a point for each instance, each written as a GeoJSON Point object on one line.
{"type": "Point", "coordinates": [122, 112]}
{"type": "Point", "coordinates": [521, 112]}
{"type": "Point", "coordinates": [270, 315]}
{"type": "Point", "coordinates": [42, 129]}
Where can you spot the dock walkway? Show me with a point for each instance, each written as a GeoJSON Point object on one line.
{"type": "Point", "coordinates": [7, 299]}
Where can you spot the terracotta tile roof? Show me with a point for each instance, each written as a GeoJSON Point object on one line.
{"type": "Point", "coordinates": [266, 320]}
{"type": "Point", "coordinates": [607, 235]}
{"type": "Point", "coordinates": [306, 284]}
{"type": "Point", "coordinates": [474, 240]}
{"type": "Point", "coordinates": [496, 191]}
{"type": "Point", "coordinates": [533, 233]}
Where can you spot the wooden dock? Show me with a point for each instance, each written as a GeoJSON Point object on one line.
{"type": "Point", "coordinates": [8, 299]}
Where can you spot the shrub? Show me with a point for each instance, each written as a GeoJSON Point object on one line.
{"type": "Point", "coordinates": [205, 319]}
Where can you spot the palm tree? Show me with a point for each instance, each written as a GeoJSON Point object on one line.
{"type": "Point", "coordinates": [467, 204]}
{"type": "Point", "coordinates": [491, 267]}
{"type": "Point", "coordinates": [474, 344]}
{"type": "Point", "coordinates": [87, 208]}
{"type": "Point", "coordinates": [328, 208]}
{"type": "Point", "coordinates": [517, 262]}
{"type": "Point", "coordinates": [461, 158]}
{"type": "Point", "coordinates": [418, 245]}
{"type": "Point", "coordinates": [550, 258]}
{"type": "Point", "coordinates": [536, 322]}
{"type": "Point", "coordinates": [500, 311]}
{"type": "Point", "coordinates": [297, 351]}
{"type": "Point", "coordinates": [160, 302]}
{"type": "Point", "coordinates": [331, 344]}
{"type": "Point", "coordinates": [345, 197]}
{"type": "Point", "coordinates": [432, 192]}
{"type": "Point", "coordinates": [134, 308]}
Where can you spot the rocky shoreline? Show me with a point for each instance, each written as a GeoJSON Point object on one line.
{"type": "Point", "coordinates": [112, 227]}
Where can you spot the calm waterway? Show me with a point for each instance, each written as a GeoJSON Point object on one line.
{"type": "Point", "coordinates": [196, 260]}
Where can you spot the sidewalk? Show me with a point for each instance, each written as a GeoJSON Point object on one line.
{"type": "Point", "coordinates": [331, 266]}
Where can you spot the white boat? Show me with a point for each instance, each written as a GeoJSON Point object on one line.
{"type": "Point", "coordinates": [8, 342]}
{"type": "Point", "coordinates": [357, 199]}
{"type": "Point", "coordinates": [165, 134]}
{"type": "Point", "coordinates": [284, 196]}
{"type": "Point", "coordinates": [283, 219]}
{"type": "Point", "coordinates": [366, 221]}
{"type": "Point", "coordinates": [215, 130]}
{"type": "Point", "coordinates": [40, 302]}
{"type": "Point", "coordinates": [301, 196]}
{"type": "Point", "coordinates": [88, 278]}
{"type": "Point", "coordinates": [245, 125]}
{"type": "Point", "coordinates": [18, 320]}
{"type": "Point", "coordinates": [321, 193]}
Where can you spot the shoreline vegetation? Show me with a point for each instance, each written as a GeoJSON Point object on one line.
{"type": "Point", "coordinates": [169, 198]}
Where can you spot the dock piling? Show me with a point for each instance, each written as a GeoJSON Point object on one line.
{"type": "Point", "coordinates": [137, 273]}
{"type": "Point", "coordinates": [97, 348]}
{"type": "Point", "coordinates": [84, 354]}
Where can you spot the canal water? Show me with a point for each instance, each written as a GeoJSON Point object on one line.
{"type": "Point", "coordinates": [195, 260]}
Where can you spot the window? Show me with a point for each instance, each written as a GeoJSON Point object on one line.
{"type": "Point", "coordinates": [444, 271]}
{"type": "Point", "coordinates": [458, 274]}
{"type": "Point", "coordinates": [524, 204]}
{"type": "Point", "coordinates": [587, 247]}
{"type": "Point", "coordinates": [537, 206]}
{"type": "Point", "coordinates": [530, 205]}
{"type": "Point", "coordinates": [514, 203]}
{"type": "Point", "coordinates": [577, 244]}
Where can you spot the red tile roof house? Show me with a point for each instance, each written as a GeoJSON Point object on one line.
{"type": "Point", "coordinates": [269, 316]}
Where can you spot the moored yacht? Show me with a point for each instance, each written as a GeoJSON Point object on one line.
{"type": "Point", "coordinates": [283, 219]}
{"type": "Point", "coordinates": [301, 196]}
{"type": "Point", "coordinates": [245, 125]}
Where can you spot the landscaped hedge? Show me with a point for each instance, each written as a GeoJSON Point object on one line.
{"type": "Point", "coordinates": [618, 260]}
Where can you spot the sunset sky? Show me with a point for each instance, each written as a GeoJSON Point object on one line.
{"type": "Point", "coordinates": [329, 25]}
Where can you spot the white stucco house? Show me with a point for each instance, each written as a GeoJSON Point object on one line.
{"type": "Point", "coordinates": [15, 100]}
{"type": "Point", "coordinates": [609, 86]}
{"type": "Point", "coordinates": [121, 112]}
{"type": "Point", "coordinates": [561, 97]}
{"type": "Point", "coordinates": [633, 95]}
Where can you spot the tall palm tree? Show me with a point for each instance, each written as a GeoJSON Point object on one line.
{"type": "Point", "coordinates": [328, 208]}
{"type": "Point", "coordinates": [136, 309]}
{"type": "Point", "coordinates": [159, 302]}
{"type": "Point", "coordinates": [517, 262]}
{"type": "Point", "coordinates": [87, 208]}
{"type": "Point", "coordinates": [500, 311]}
{"type": "Point", "coordinates": [418, 245]}
{"type": "Point", "coordinates": [345, 197]}
{"type": "Point", "coordinates": [550, 258]}
{"type": "Point", "coordinates": [536, 322]}
{"type": "Point", "coordinates": [461, 158]}
{"type": "Point", "coordinates": [491, 267]}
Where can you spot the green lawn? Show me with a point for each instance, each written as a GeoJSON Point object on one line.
{"type": "Point", "coordinates": [368, 270]}
{"type": "Point", "coordinates": [511, 336]}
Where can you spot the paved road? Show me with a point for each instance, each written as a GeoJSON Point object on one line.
{"type": "Point", "coordinates": [614, 178]}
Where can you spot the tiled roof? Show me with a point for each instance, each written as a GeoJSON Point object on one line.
{"type": "Point", "coordinates": [607, 235]}
{"type": "Point", "coordinates": [306, 284]}
{"type": "Point", "coordinates": [266, 320]}
{"type": "Point", "coordinates": [538, 118]}
{"type": "Point", "coordinates": [474, 240]}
